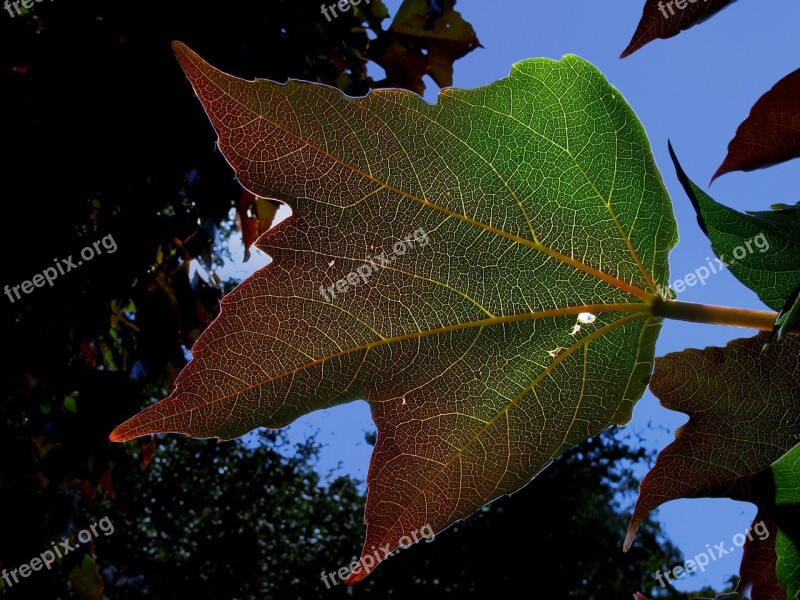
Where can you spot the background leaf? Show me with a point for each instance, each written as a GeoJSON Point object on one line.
{"type": "Point", "coordinates": [537, 198]}
{"type": "Point", "coordinates": [786, 478]}
{"type": "Point", "coordinates": [771, 134]}
{"type": "Point", "coordinates": [86, 581]}
{"type": "Point", "coordinates": [255, 217]}
{"type": "Point", "coordinates": [758, 577]}
{"type": "Point", "coordinates": [769, 265]}
{"type": "Point", "coordinates": [425, 38]}
{"type": "Point", "coordinates": [665, 20]}
{"type": "Point", "coordinates": [788, 564]}
{"type": "Point", "coordinates": [744, 413]}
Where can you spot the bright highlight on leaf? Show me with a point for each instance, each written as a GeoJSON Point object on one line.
{"type": "Point", "coordinates": [544, 212]}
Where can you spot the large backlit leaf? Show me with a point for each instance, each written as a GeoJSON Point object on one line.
{"type": "Point", "coordinates": [524, 204]}
{"type": "Point", "coordinates": [771, 134]}
{"type": "Point", "coordinates": [744, 413]}
{"type": "Point", "coordinates": [666, 19]}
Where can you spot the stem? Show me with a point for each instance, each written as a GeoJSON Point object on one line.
{"type": "Point", "coordinates": [716, 315]}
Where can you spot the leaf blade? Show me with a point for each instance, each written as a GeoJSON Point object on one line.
{"type": "Point", "coordinates": [661, 21]}
{"type": "Point", "coordinates": [771, 132]}
{"type": "Point", "coordinates": [716, 454]}
{"type": "Point", "coordinates": [540, 200]}
{"type": "Point", "coordinates": [773, 272]}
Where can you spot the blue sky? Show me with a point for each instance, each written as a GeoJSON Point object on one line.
{"type": "Point", "coordinates": [694, 89]}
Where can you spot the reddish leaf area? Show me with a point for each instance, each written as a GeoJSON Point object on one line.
{"type": "Point", "coordinates": [147, 449]}
{"type": "Point", "coordinates": [106, 484]}
{"type": "Point", "coordinates": [719, 452]}
{"type": "Point", "coordinates": [666, 19]}
{"type": "Point", "coordinates": [255, 216]}
{"type": "Point", "coordinates": [771, 134]}
{"type": "Point", "coordinates": [758, 578]}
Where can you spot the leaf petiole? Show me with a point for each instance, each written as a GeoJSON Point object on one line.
{"type": "Point", "coordinates": [716, 315]}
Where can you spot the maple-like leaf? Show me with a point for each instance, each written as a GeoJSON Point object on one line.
{"type": "Point", "coordinates": [497, 255]}
{"type": "Point", "coordinates": [771, 134]}
{"type": "Point", "coordinates": [744, 413]}
{"type": "Point", "coordinates": [666, 19]}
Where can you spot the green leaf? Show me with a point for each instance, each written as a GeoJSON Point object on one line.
{"type": "Point", "coordinates": [511, 239]}
{"type": "Point", "coordinates": [786, 473]}
{"type": "Point", "coordinates": [789, 316]}
{"type": "Point", "coordinates": [86, 581]}
{"type": "Point", "coordinates": [762, 249]}
{"type": "Point", "coordinates": [71, 402]}
{"type": "Point", "coordinates": [788, 566]}
{"type": "Point", "coordinates": [786, 485]}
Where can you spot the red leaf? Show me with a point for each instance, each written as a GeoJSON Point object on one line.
{"type": "Point", "coordinates": [255, 217]}
{"type": "Point", "coordinates": [719, 451]}
{"type": "Point", "coordinates": [147, 449]}
{"type": "Point", "coordinates": [664, 19]}
{"type": "Point", "coordinates": [86, 490]}
{"type": "Point", "coordinates": [105, 483]}
{"type": "Point", "coordinates": [758, 578]}
{"type": "Point", "coordinates": [771, 134]}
